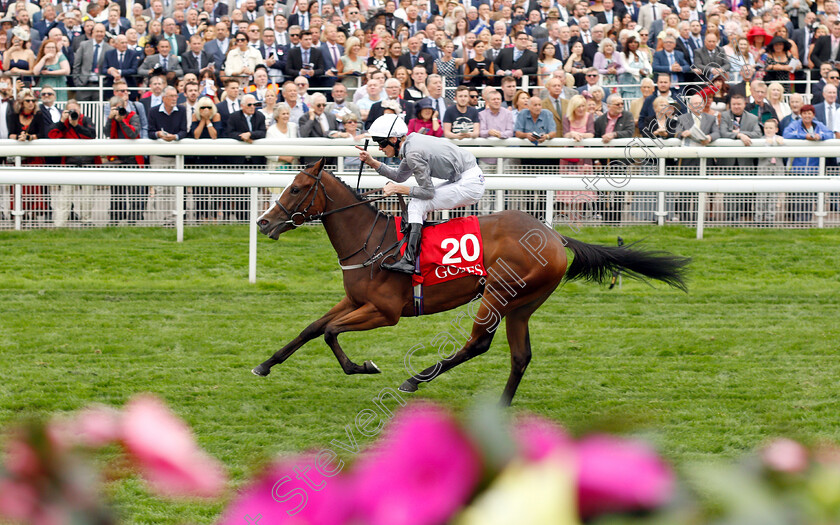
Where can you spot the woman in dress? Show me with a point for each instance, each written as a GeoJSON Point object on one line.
{"type": "Point", "coordinates": [206, 125]}
{"type": "Point", "coordinates": [775, 93]}
{"type": "Point", "coordinates": [577, 64]}
{"type": "Point", "coordinates": [548, 62]}
{"type": "Point", "coordinates": [350, 66]}
{"type": "Point", "coordinates": [53, 68]}
{"type": "Point", "coordinates": [282, 129]}
{"type": "Point", "coordinates": [479, 71]}
{"type": "Point", "coordinates": [636, 66]}
{"type": "Point", "coordinates": [757, 38]}
{"type": "Point", "coordinates": [779, 64]}
{"type": "Point", "coordinates": [740, 59]}
{"type": "Point", "coordinates": [19, 59]}
{"type": "Point", "coordinates": [269, 102]}
{"type": "Point", "coordinates": [644, 35]}
{"type": "Point", "coordinates": [27, 124]}
{"type": "Point", "coordinates": [447, 67]}
{"type": "Point", "coordinates": [394, 54]}
{"type": "Point", "coordinates": [580, 124]}
{"type": "Point", "coordinates": [378, 58]}
{"type": "Point", "coordinates": [461, 29]}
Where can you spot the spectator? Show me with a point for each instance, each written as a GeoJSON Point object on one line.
{"type": "Point", "coordinates": [615, 123]}
{"type": "Point", "coordinates": [766, 204]}
{"type": "Point", "coordinates": [577, 64]}
{"type": "Point", "coordinates": [268, 104]}
{"type": "Point", "coordinates": [671, 61]}
{"type": "Point", "coordinates": [206, 124]}
{"type": "Point", "coordinates": [825, 48]}
{"type": "Point", "coordinates": [49, 111]}
{"type": "Point", "coordinates": [415, 57]}
{"type": "Point", "coordinates": [392, 93]}
{"type": "Point", "coordinates": [434, 85]}
{"type": "Point", "coordinates": [759, 106]}
{"type": "Point", "coordinates": [302, 85]}
{"type": "Point", "coordinates": [18, 59]}
{"type": "Point", "coordinates": [121, 90]}
{"type": "Point", "coordinates": [274, 55]}
{"type": "Point", "coordinates": [816, 89]}
{"type": "Point", "coordinates": [230, 102]}
{"type": "Point", "coordinates": [283, 128]}
{"type": "Point", "coordinates": [317, 122]}
{"type": "Point", "coordinates": [427, 121]}
{"type": "Point", "coordinates": [339, 105]}
{"type": "Point", "coordinates": [647, 88]}
{"type": "Point", "coordinates": [167, 122]}
{"type": "Point", "coordinates": [555, 101]}
{"type": "Point", "coordinates": [88, 62]}
{"type": "Point", "coordinates": [351, 65]}
{"type": "Point", "coordinates": [448, 67]}
{"type": "Point", "coordinates": [795, 102]}
{"type": "Point", "coordinates": [608, 62]}
{"type": "Point", "coordinates": [743, 87]}
{"type": "Point", "coordinates": [494, 122]}
{"type": "Point", "coordinates": [190, 104]}
{"type": "Point", "coordinates": [695, 119]}
{"type": "Point", "coordinates": [711, 60]}
{"type": "Point", "coordinates": [517, 61]}
{"type": "Point", "coordinates": [809, 129]}
{"type": "Point", "coordinates": [827, 112]}
{"type": "Point", "coordinates": [75, 125]}
{"type": "Point", "coordinates": [247, 125]}
{"type": "Point", "coordinates": [120, 63]}
{"type": "Point", "coordinates": [775, 94]}
{"type": "Point", "coordinates": [461, 120]}
{"type": "Point", "coordinates": [737, 124]}
{"type": "Point", "coordinates": [374, 95]}
{"type": "Point", "coordinates": [663, 89]}
{"type": "Point", "coordinates": [243, 59]}
{"type": "Point", "coordinates": [218, 47]}
{"type": "Point", "coordinates": [177, 42]}
{"type": "Point", "coordinates": [197, 60]}
{"type": "Point", "coordinates": [636, 68]}
{"type": "Point", "coordinates": [123, 123]}
{"type": "Point", "coordinates": [305, 60]}
{"type": "Point", "coordinates": [663, 124]}
{"type": "Point", "coordinates": [260, 85]}
{"type": "Point", "coordinates": [508, 91]}
{"type": "Point", "coordinates": [480, 70]}
{"type": "Point", "coordinates": [297, 106]}
{"type": "Point", "coordinates": [378, 58]}
{"type": "Point", "coordinates": [535, 124]}
{"type": "Point", "coordinates": [164, 62]}
{"type": "Point", "coordinates": [593, 80]}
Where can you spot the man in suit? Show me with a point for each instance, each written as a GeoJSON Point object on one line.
{"type": "Point", "coordinates": [155, 11]}
{"type": "Point", "coordinates": [743, 87]}
{"type": "Point", "coordinates": [415, 25]}
{"type": "Point", "coordinates": [518, 60]}
{"type": "Point", "coordinates": [247, 125]}
{"type": "Point", "coordinates": [555, 102]}
{"type": "Point", "coordinates": [596, 34]}
{"type": "Point", "coordinates": [688, 125]}
{"type": "Point", "coordinates": [629, 6]}
{"type": "Point", "coordinates": [317, 123]}
{"type": "Point", "coordinates": [615, 123]}
{"type": "Point", "coordinates": [803, 37]}
{"type": "Point", "coordinates": [686, 45]}
{"type": "Point", "coordinates": [828, 111]}
{"type": "Point", "coordinates": [230, 104]}
{"type": "Point", "coordinates": [218, 47]}
{"type": "Point", "coordinates": [274, 55]}
{"type": "Point", "coordinates": [827, 48]}
{"type": "Point", "coordinates": [817, 88]}
{"type": "Point", "coordinates": [196, 60]}
{"type": "Point", "coordinates": [120, 63]}
{"type": "Point", "coordinates": [116, 25]}
{"type": "Point", "coordinates": [392, 92]}
{"type": "Point", "coordinates": [177, 43]}
{"type": "Point", "coordinates": [305, 61]}
{"type": "Point", "coordinates": [710, 60]}
{"type": "Point", "coordinates": [87, 65]}
{"type": "Point", "coordinates": [416, 57]}
{"type": "Point", "coordinates": [657, 26]}
{"type": "Point", "coordinates": [759, 105]}
{"type": "Point", "coordinates": [48, 21]}
{"type": "Point", "coordinates": [268, 12]}
{"type": "Point", "coordinates": [663, 89]}
{"type": "Point", "coordinates": [167, 122]}
{"type": "Point", "coordinates": [340, 103]}
{"type": "Point", "coordinates": [648, 13]}
{"type": "Point", "coordinates": [737, 124]}
{"type": "Point", "coordinates": [795, 101]}
{"type": "Point", "coordinates": [164, 61]}
{"type": "Point", "coordinates": [155, 98]}
{"type": "Point", "coordinates": [331, 51]}
{"type": "Point", "coordinates": [669, 60]}
{"type": "Point", "coordinates": [354, 21]}
{"type": "Point", "coordinates": [609, 14]}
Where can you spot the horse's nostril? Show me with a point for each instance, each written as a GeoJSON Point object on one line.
{"type": "Point", "coordinates": [262, 222]}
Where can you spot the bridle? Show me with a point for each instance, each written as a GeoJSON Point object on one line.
{"type": "Point", "coordinates": [319, 184]}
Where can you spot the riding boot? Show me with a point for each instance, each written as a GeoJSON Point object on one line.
{"type": "Point", "coordinates": [412, 251]}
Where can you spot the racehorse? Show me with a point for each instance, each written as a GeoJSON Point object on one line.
{"type": "Point", "coordinates": [525, 261]}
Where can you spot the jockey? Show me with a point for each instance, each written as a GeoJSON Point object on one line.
{"type": "Point", "coordinates": [425, 158]}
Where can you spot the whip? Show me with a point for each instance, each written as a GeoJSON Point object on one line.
{"type": "Point", "coordinates": [361, 167]}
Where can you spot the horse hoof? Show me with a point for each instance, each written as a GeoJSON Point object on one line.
{"type": "Point", "coordinates": [408, 387]}
{"type": "Point", "coordinates": [371, 368]}
{"type": "Point", "coordinates": [261, 371]}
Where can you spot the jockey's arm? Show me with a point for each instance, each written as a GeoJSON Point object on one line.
{"type": "Point", "coordinates": [419, 164]}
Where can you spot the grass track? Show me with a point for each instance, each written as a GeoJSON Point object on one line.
{"type": "Point", "coordinates": [99, 315]}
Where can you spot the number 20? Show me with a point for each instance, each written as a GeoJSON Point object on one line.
{"type": "Point", "coordinates": [453, 246]}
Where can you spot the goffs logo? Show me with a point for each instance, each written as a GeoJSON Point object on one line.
{"type": "Point", "coordinates": [442, 272]}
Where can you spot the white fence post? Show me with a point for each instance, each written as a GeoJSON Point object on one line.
{"type": "Point", "coordinates": [252, 239]}
{"type": "Point", "coordinates": [179, 202]}
{"type": "Point", "coordinates": [701, 213]}
{"type": "Point", "coordinates": [17, 211]}
{"type": "Point", "coordinates": [661, 212]}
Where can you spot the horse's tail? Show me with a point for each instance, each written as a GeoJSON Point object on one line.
{"type": "Point", "coordinates": [597, 263]}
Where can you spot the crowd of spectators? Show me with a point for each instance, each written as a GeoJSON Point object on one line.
{"type": "Point", "coordinates": [248, 69]}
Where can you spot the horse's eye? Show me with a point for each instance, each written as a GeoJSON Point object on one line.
{"type": "Point", "coordinates": [295, 191]}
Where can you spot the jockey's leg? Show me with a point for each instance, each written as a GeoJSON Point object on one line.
{"type": "Point", "coordinates": [417, 210]}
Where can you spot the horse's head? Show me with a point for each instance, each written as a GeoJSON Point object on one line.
{"type": "Point", "coordinates": [302, 200]}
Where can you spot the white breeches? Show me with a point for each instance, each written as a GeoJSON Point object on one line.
{"type": "Point", "coordinates": [465, 191]}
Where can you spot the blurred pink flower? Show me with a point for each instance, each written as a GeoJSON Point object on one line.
{"type": "Point", "coordinates": [785, 455]}
{"type": "Point", "coordinates": [271, 497]}
{"type": "Point", "coordinates": [166, 452]}
{"type": "Point", "coordinates": [617, 475]}
{"type": "Point", "coordinates": [18, 501]}
{"type": "Point", "coordinates": [538, 437]}
{"type": "Point", "coordinates": [96, 426]}
{"type": "Point", "coordinates": [421, 473]}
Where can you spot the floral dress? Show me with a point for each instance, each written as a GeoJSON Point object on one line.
{"type": "Point", "coordinates": [449, 71]}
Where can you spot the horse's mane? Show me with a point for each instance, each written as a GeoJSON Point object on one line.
{"type": "Point", "coordinates": [350, 190]}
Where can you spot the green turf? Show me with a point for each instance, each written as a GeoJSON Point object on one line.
{"type": "Point", "coordinates": [100, 315]}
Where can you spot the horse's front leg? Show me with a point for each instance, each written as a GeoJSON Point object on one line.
{"type": "Point", "coordinates": [367, 317]}
{"type": "Point", "coordinates": [309, 333]}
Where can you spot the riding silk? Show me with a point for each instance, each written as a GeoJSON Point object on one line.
{"type": "Point", "coordinates": [449, 250]}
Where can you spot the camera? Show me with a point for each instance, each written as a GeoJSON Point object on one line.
{"type": "Point", "coordinates": [535, 135]}
{"type": "Point", "coordinates": [122, 112]}
{"type": "Point", "coordinates": [74, 115]}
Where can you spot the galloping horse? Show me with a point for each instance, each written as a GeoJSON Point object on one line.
{"type": "Point", "coordinates": [525, 261]}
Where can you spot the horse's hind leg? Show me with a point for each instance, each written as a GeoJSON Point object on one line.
{"type": "Point", "coordinates": [367, 317]}
{"type": "Point", "coordinates": [309, 333]}
{"type": "Point", "coordinates": [519, 340]}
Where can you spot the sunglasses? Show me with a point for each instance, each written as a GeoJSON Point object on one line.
{"type": "Point", "coordinates": [29, 100]}
{"type": "Point", "coordinates": [834, 78]}
{"type": "Point", "coordinates": [382, 142]}
{"type": "Point", "coordinates": [301, 85]}
{"type": "Point", "coordinates": [591, 76]}
{"type": "Point", "coordinates": [241, 39]}
{"type": "Point", "coordinates": [47, 94]}
{"type": "Point", "coordinates": [320, 105]}
{"type": "Point", "coordinates": [115, 91]}
{"type": "Point", "coordinates": [473, 96]}
{"type": "Point", "coordinates": [294, 35]}
{"type": "Point", "coordinates": [206, 107]}
{"type": "Point", "coordinates": [250, 104]}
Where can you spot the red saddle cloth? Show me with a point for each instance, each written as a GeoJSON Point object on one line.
{"type": "Point", "coordinates": [450, 250]}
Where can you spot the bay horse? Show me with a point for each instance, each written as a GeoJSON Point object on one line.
{"type": "Point", "coordinates": [524, 258]}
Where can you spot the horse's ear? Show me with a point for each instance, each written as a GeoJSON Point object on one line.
{"type": "Point", "coordinates": [319, 166]}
